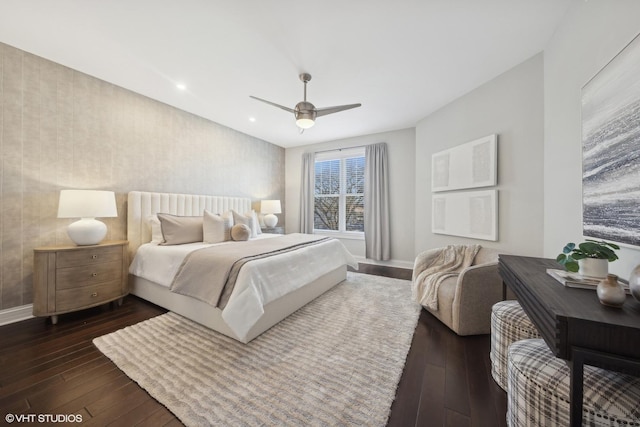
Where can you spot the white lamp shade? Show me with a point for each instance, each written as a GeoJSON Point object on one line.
{"type": "Point", "coordinates": [87, 204]}
{"type": "Point", "coordinates": [270, 207]}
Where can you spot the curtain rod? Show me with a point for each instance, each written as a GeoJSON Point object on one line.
{"type": "Point", "coordinates": [340, 149]}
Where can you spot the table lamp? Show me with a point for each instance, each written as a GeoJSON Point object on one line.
{"type": "Point", "coordinates": [270, 207]}
{"type": "Point", "coordinates": [87, 205]}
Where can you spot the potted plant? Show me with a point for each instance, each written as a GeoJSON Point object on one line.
{"type": "Point", "coordinates": [589, 258]}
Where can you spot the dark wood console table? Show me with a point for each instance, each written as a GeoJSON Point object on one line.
{"type": "Point", "coordinates": [574, 324]}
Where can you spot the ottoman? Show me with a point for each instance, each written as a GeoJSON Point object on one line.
{"type": "Point", "coordinates": [509, 324]}
{"type": "Point", "coordinates": [538, 391]}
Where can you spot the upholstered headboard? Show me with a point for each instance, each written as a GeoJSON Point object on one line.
{"type": "Point", "coordinates": [141, 205]}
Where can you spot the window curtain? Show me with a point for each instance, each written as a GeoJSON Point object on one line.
{"type": "Point", "coordinates": [307, 192]}
{"type": "Point", "coordinates": [376, 203]}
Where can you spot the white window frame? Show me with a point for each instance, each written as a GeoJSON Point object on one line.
{"type": "Point", "coordinates": [342, 155]}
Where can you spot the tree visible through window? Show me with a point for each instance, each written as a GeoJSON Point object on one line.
{"type": "Point", "coordinates": [339, 193]}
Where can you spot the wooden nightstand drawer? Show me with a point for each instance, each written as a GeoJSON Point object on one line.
{"type": "Point", "coordinates": [93, 274]}
{"type": "Point", "coordinates": [91, 255]}
{"type": "Point", "coordinates": [87, 296]}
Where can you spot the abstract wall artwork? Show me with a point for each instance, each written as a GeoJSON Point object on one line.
{"type": "Point", "coordinates": [611, 150]}
{"type": "Point", "coordinates": [469, 165]}
{"type": "Point", "coordinates": [466, 213]}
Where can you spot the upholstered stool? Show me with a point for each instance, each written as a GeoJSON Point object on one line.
{"type": "Point", "coordinates": [538, 391]}
{"type": "Point", "coordinates": [509, 324]}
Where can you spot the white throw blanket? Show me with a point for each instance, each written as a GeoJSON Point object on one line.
{"type": "Point", "coordinates": [435, 269]}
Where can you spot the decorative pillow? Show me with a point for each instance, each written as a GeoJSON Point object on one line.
{"type": "Point", "coordinates": [255, 226]}
{"type": "Point", "coordinates": [216, 228]}
{"type": "Point", "coordinates": [177, 230]}
{"type": "Point", "coordinates": [156, 229]}
{"type": "Point", "coordinates": [240, 232]}
{"type": "Point", "coordinates": [246, 220]}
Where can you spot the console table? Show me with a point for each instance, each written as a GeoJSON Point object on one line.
{"type": "Point", "coordinates": [574, 324]}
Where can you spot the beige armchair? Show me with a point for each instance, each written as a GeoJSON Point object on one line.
{"type": "Point", "coordinates": [465, 301]}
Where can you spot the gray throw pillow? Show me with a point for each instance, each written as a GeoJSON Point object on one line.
{"type": "Point", "coordinates": [177, 230]}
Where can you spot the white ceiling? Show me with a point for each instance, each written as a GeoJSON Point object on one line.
{"type": "Point", "coordinates": [401, 59]}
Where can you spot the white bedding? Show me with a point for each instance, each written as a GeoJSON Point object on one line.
{"type": "Point", "coordinates": [259, 282]}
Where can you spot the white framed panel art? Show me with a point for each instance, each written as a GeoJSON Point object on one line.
{"type": "Point", "coordinates": [471, 214]}
{"type": "Point", "coordinates": [469, 165]}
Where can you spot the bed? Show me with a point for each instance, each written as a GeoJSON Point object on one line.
{"type": "Point", "coordinates": [267, 289]}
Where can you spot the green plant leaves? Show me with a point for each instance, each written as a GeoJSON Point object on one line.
{"type": "Point", "coordinates": [588, 249]}
{"type": "Point", "coordinates": [572, 266]}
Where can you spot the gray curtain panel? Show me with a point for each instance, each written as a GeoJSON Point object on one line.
{"type": "Point", "coordinates": [307, 191]}
{"type": "Point", "coordinates": [376, 202]}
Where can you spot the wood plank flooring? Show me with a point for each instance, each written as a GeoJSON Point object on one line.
{"type": "Point", "coordinates": [55, 369]}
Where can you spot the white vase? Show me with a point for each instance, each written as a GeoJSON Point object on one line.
{"type": "Point", "coordinates": [593, 267]}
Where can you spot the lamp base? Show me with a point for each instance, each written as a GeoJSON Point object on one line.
{"type": "Point", "coordinates": [270, 220]}
{"type": "Point", "coordinates": [87, 231]}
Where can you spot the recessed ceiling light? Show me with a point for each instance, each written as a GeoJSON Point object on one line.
{"type": "Point", "coordinates": [252, 119]}
{"type": "Point", "coordinates": [181, 86]}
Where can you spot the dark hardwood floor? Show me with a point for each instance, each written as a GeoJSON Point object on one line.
{"type": "Point", "coordinates": [55, 369]}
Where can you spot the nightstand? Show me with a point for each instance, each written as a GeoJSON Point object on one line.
{"type": "Point", "coordinates": [274, 230]}
{"type": "Point", "coordinates": [72, 278]}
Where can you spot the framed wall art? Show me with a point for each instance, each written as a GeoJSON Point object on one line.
{"type": "Point", "coordinates": [611, 150]}
{"type": "Point", "coordinates": [466, 213]}
{"type": "Point", "coordinates": [469, 165]}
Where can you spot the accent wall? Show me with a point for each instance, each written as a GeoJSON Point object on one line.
{"type": "Point", "coordinates": [60, 128]}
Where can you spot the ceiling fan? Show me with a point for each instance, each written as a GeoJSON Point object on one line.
{"type": "Point", "coordinates": [304, 111]}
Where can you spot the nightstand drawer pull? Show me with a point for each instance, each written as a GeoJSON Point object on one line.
{"type": "Point", "coordinates": [95, 294]}
{"type": "Point", "coordinates": [94, 256]}
{"type": "Point", "coordinates": [94, 274]}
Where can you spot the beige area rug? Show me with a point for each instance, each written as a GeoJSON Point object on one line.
{"type": "Point", "coordinates": [337, 361]}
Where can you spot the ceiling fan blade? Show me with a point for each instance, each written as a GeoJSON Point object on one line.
{"type": "Point", "coordinates": [291, 110]}
{"type": "Point", "coordinates": [337, 108]}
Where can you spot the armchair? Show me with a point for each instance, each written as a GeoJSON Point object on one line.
{"type": "Point", "coordinates": [465, 301]}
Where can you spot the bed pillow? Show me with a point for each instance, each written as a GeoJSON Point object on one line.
{"type": "Point", "coordinates": [156, 229]}
{"type": "Point", "coordinates": [240, 232]}
{"type": "Point", "coordinates": [216, 228]}
{"type": "Point", "coordinates": [256, 222]}
{"type": "Point", "coordinates": [246, 220]}
{"type": "Point", "coordinates": [177, 230]}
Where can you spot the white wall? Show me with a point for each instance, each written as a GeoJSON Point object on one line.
{"type": "Point", "coordinates": [590, 35]}
{"type": "Point", "coordinates": [511, 105]}
{"type": "Point", "coordinates": [401, 149]}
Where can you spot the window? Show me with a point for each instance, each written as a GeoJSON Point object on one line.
{"type": "Point", "coordinates": [339, 192]}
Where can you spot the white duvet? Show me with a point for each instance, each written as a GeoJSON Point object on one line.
{"type": "Point", "coordinates": [259, 281]}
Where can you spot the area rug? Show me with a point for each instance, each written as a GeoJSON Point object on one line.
{"type": "Point", "coordinates": [336, 361]}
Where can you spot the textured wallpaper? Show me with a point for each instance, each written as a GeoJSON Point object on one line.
{"type": "Point", "coordinates": [60, 128]}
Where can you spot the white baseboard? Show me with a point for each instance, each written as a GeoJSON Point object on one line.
{"type": "Point", "coordinates": [16, 314]}
{"type": "Point", "coordinates": [390, 263]}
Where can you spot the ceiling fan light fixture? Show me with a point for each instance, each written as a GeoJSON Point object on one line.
{"type": "Point", "coordinates": [305, 118]}
{"type": "Point", "coordinates": [305, 123]}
